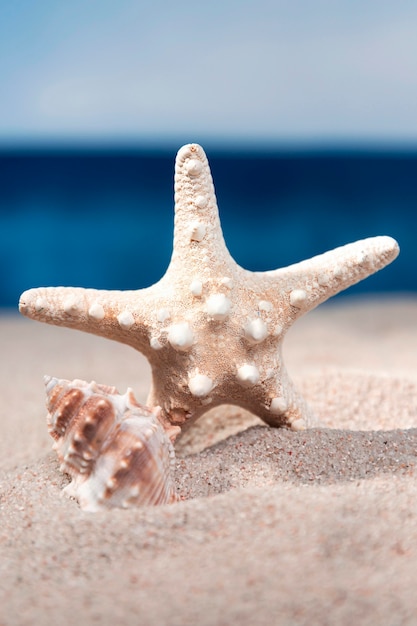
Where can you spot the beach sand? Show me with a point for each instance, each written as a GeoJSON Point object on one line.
{"type": "Point", "coordinates": [274, 527]}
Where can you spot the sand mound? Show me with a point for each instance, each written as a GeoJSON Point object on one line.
{"type": "Point", "coordinates": [275, 527]}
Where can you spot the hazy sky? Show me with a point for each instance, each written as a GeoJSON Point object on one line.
{"type": "Point", "coordinates": [287, 70]}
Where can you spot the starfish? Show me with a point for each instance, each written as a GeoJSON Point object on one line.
{"type": "Point", "coordinates": [211, 330]}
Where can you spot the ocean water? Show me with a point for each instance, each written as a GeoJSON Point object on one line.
{"type": "Point", "coordinates": [105, 218]}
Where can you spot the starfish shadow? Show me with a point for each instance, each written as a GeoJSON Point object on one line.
{"type": "Point", "coordinates": [264, 457]}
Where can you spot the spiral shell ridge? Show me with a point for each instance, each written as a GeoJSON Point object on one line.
{"type": "Point", "coordinates": [115, 449]}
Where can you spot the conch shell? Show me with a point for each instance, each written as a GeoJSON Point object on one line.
{"type": "Point", "coordinates": [116, 450]}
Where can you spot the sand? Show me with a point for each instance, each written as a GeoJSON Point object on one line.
{"type": "Point", "coordinates": [274, 527]}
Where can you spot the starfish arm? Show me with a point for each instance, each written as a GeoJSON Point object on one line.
{"type": "Point", "coordinates": [116, 315]}
{"type": "Point", "coordinates": [198, 236]}
{"type": "Point", "coordinates": [309, 283]}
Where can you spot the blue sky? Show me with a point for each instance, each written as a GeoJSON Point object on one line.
{"type": "Point", "coordinates": [155, 70]}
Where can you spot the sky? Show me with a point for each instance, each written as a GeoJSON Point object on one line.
{"type": "Point", "coordinates": [269, 71]}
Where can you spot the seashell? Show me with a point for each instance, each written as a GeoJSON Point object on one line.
{"type": "Point", "coordinates": [116, 450]}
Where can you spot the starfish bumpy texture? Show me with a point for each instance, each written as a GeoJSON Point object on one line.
{"type": "Point", "coordinates": [211, 330]}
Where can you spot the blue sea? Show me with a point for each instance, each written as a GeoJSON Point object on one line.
{"type": "Point", "coordinates": [104, 218]}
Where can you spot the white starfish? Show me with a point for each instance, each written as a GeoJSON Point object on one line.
{"type": "Point", "coordinates": [212, 331]}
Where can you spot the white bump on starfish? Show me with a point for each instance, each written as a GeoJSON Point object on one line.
{"type": "Point", "coordinates": [194, 167]}
{"type": "Point", "coordinates": [265, 305]}
{"type": "Point", "coordinates": [256, 331]}
{"type": "Point", "coordinates": [323, 279]}
{"type": "Point", "coordinates": [155, 343]}
{"type": "Point", "coordinates": [180, 336]}
{"type": "Point", "coordinates": [227, 282]}
{"type": "Point", "coordinates": [278, 405]}
{"type": "Point", "coordinates": [162, 315]}
{"type": "Point", "coordinates": [201, 201]}
{"type": "Point", "coordinates": [298, 424]}
{"type": "Point", "coordinates": [39, 304]}
{"type": "Point", "coordinates": [96, 311]}
{"type": "Point", "coordinates": [192, 343]}
{"type": "Point", "coordinates": [298, 298]}
{"type": "Point", "coordinates": [200, 385]}
{"type": "Point", "coordinates": [197, 231]}
{"type": "Point", "coordinates": [218, 306]}
{"type": "Point", "coordinates": [196, 287]}
{"type": "Point", "coordinates": [248, 374]}
{"type": "Point", "coordinates": [72, 305]}
{"type": "Point", "coordinates": [126, 319]}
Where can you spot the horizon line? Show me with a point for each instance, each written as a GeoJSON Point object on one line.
{"type": "Point", "coordinates": [214, 145]}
